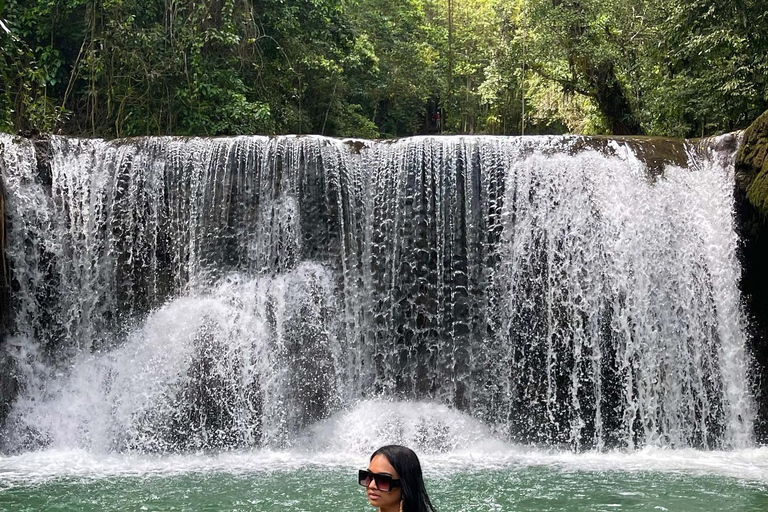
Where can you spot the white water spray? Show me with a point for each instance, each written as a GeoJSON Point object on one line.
{"type": "Point", "coordinates": [191, 294]}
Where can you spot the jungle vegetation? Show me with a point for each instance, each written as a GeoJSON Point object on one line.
{"type": "Point", "coordinates": [382, 68]}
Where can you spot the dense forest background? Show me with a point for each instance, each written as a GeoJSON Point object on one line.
{"type": "Point", "coordinates": [382, 68]}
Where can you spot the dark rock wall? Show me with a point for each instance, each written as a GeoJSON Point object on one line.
{"type": "Point", "coordinates": [754, 286]}
{"type": "Point", "coordinates": [7, 382]}
{"type": "Point", "coordinates": [8, 370]}
{"type": "Point", "coordinates": [752, 212]}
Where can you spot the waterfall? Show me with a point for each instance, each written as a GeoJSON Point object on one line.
{"type": "Point", "coordinates": [192, 294]}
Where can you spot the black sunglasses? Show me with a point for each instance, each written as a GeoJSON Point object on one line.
{"type": "Point", "coordinates": [382, 482]}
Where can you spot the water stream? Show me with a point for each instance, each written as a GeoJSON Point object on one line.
{"type": "Point", "coordinates": [472, 297]}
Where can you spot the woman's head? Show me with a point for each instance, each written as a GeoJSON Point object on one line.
{"type": "Point", "coordinates": [401, 464]}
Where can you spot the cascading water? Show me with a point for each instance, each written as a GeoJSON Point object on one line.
{"type": "Point", "coordinates": [187, 294]}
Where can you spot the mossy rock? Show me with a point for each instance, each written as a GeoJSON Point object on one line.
{"type": "Point", "coordinates": [752, 164]}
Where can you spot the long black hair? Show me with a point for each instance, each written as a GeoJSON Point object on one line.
{"type": "Point", "coordinates": [407, 465]}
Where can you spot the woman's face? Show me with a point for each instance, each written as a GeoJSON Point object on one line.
{"type": "Point", "coordinates": [385, 500]}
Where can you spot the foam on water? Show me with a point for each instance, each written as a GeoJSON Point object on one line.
{"type": "Point", "coordinates": [37, 467]}
{"type": "Point", "coordinates": [345, 441]}
{"type": "Point", "coordinates": [428, 428]}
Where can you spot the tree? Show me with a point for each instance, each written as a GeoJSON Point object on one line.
{"type": "Point", "coordinates": [590, 47]}
{"type": "Point", "coordinates": [407, 40]}
{"type": "Point", "coordinates": [382, 68]}
{"type": "Point", "coordinates": [709, 72]}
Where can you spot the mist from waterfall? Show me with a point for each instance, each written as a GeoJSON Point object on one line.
{"type": "Point", "coordinates": [182, 294]}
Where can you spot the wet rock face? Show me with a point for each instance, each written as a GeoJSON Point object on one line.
{"type": "Point", "coordinates": [655, 152]}
{"type": "Point", "coordinates": [8, 387]}
{"type": "Point", "coordinates": [752, 164]}
{"type": "Point", "coordinates": [753, 232]}
{"type": "Point", "coordinates": [8, 384]}
{"type": "Point", "coordinates": [752, 211]}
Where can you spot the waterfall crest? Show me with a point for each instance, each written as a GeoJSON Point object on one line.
{"type": "Point", "coordinates": [186, 293]}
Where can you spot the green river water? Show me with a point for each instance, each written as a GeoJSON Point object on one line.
{"type": "Point", "coordinates": [674, 481]}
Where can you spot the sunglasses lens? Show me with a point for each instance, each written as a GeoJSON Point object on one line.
{"type": "Point", "coordinates": [383, 483]}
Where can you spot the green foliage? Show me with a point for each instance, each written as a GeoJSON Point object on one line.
{"type": "Point", "coordinates": [402, 42]}
{"type": "Point", "coordinates": [711, 71]}
{"type": "Point", "coordinates": [382, 68]}
{"type": "Point", "coordinates": [131, 67]}
{"type": "Point", "coordinates": [592, 48]}
{"type": "Point", "coordinates": [551, 111]}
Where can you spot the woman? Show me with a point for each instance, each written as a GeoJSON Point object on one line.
{"type": "Point", "coordinates": [393, 481]}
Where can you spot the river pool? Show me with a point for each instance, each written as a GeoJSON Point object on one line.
{"type": "Point", "coordinates": [509, 479]}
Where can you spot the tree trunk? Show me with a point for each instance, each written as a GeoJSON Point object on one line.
{"type": "Point", "coordinates": [613, 102]}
